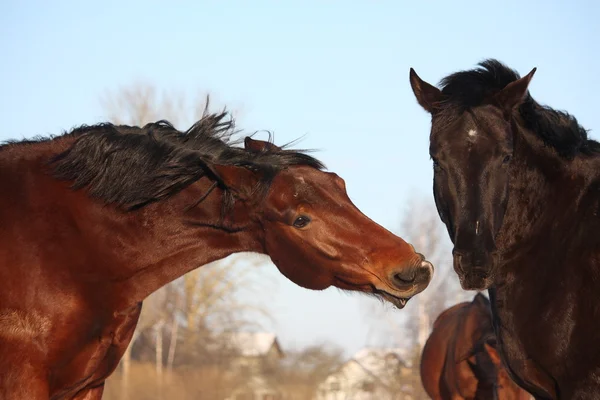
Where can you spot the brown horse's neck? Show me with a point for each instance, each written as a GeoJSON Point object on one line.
{"type": "Point", "coordinates": [131, 253]}
{"type": "Point", "coordinates": [175, 242]}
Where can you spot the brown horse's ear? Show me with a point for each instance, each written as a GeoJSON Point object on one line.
{"type": "Point", "coordinates": [514, 93]}
{"type": "Point", "coordinates": [493, 353]}
{"type": "Point", "coordinates": [481, 300]}
{"type": "Point", "coordinates": [259, 146]}
{"type": "Point", "coordinates": [428, 96]}
{"type": "Point", "coordinates": [237, 179]}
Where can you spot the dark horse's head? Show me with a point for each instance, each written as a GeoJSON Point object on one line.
{"type": "Point", "coordinates": [471, 145]}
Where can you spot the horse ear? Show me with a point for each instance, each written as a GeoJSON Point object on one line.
{"type": "Point", "coordinates": [428, 96]}
{"type": "Point", "coordinates": [493, 353]}
{"type": "Point", "coordinates": [514, 93]}
{"type": "Point", "coordinates": [481, 299]}
{"type": "Point", "coordinates": [259, 146]}
{"type": "Point", "coordinates": [472, 365]}
{"type": "Point", "coordinates": [237, 179]}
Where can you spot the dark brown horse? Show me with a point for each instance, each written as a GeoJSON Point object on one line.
{"type": "Point", "coordinates": [94, 221]}
{"type": "Point", "coordinates": [518, 186]}
{"type": "Point", "coordinates": [460, 360]}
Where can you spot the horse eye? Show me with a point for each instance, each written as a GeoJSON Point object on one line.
{"type": "Point", "coordinates": [436, 164]}
{"type": "Point", "coordinates": [301, 221]}
{"type": "Point", "coordinates": [507, 159]}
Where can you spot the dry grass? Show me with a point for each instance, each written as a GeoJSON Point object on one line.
{"type": "Point", "coordinates": [183, 384]}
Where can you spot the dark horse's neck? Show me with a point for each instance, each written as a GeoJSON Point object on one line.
{"type": "Point", "coordinates": [546, 190]}
{"type": "Point", "coordinates": [552, 208]}
{"type": "Point", "coordinates": [131, 253]}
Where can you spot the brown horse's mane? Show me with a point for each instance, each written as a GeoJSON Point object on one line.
{"type": "Point", "coordinates": [558, 129]}
{"type": "Point", "coordinates": [131, 166]}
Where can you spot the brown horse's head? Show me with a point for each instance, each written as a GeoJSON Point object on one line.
{"type": "Point", "coordinates": [318, 238]}
{"type": "Point", "coordinates": [461, 359]}
{"type": "Point", "coordinates": [260, 198]}
{"type": "Point", "coordinates": [471, 145]}
{"type": "Point", "coordinates": [494, 380]}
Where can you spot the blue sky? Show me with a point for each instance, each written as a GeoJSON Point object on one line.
{"type": "Point", "coordinates": [334, 71]}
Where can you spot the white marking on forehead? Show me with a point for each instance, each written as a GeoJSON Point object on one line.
{"type": "Point", "coordinates": [477, 227]}
{"type": "Point", "coordinates": [472, 133]}
{"type": "Point", "coordinates": [299, 179]}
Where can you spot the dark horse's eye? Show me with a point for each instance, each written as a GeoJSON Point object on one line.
{"type": "Point", "coordinates": [507, 159]}
{"type": "Point", "coordinates": [436, 164]}
{"type": "Point", "coordinates": [301, 221]}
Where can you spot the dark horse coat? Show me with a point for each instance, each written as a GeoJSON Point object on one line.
{"type": "Point", "coordinates": [518, 186]}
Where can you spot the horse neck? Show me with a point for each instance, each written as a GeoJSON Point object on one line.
{"type": "Point", "coordinates": [133, 253]}
{"type": "Point", "coordinates": [195, 247]}
{"type": "Point", "coordinates": [543, 189]}
{"type": "Point", "coordinates": [144, 250]}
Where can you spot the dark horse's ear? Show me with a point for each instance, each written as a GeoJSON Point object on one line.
{"type": "Point", "coordinates": [259, 146]}
{"type": "Point", "coordinates": [514, 93]}
{"type": "Point", "coordinates": [428, 96]}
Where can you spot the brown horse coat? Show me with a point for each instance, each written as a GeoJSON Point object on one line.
{"type": "Point", "coordinates": [149, 205]}
{"type": "Point", "coordinates": [460, 361]}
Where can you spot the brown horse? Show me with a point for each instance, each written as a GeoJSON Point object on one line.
{"type": "Point", "coordinates": [460, 360]}
{"type": "Point", "coordinates": [94, 221]}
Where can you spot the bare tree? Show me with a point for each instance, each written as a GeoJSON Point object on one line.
{"type": "Point", "coordinates": [301, 371]}
{"type": "Point", "coordinates": [411, 327]}
{"type": "Point", "coordinates": [216, 301]}
{"type": "Point", "coordinates": [141, 103]}
{"type": "Point", "coordinates": [422, 227]}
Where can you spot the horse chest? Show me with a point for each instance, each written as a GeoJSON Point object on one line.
{"type": "Point", "coordinates": [524, 345]}
{"type": "Point", "coordinates": [98, 358]}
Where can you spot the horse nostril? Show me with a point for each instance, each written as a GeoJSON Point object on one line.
{"type": "Point", "coordinates": [411, 276]}
{"type": "Point", "coordinates": [405, 278]}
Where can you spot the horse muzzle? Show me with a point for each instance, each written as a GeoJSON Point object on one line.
{"type": "Point", "coordinates": [474, 270]}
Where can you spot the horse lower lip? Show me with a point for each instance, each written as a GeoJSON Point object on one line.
{"type": "Point", "coordinates": [475, 279]}
{"type": "Point", "coordinates": [399, 302]}
{"type": "Point", "coordinates": [477, 272]}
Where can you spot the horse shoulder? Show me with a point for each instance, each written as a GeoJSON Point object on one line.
{"type": "Point", "coordinates": [98, 357]}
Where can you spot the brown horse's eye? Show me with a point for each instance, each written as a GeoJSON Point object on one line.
{"type": "Point", "coordinates": [507, 159]}
{"type": "Point", "coordinates": [301, 221]}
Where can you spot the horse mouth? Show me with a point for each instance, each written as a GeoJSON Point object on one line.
{"type": "Point", "coordinates": [475, 280]}
{"type": "Point", "coordinates": [398, 302]}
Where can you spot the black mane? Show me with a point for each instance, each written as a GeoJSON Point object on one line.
{"type": "Point", "coordinates": [133, 166]}
{"type": "Point", "coordinates": [558, 129]}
